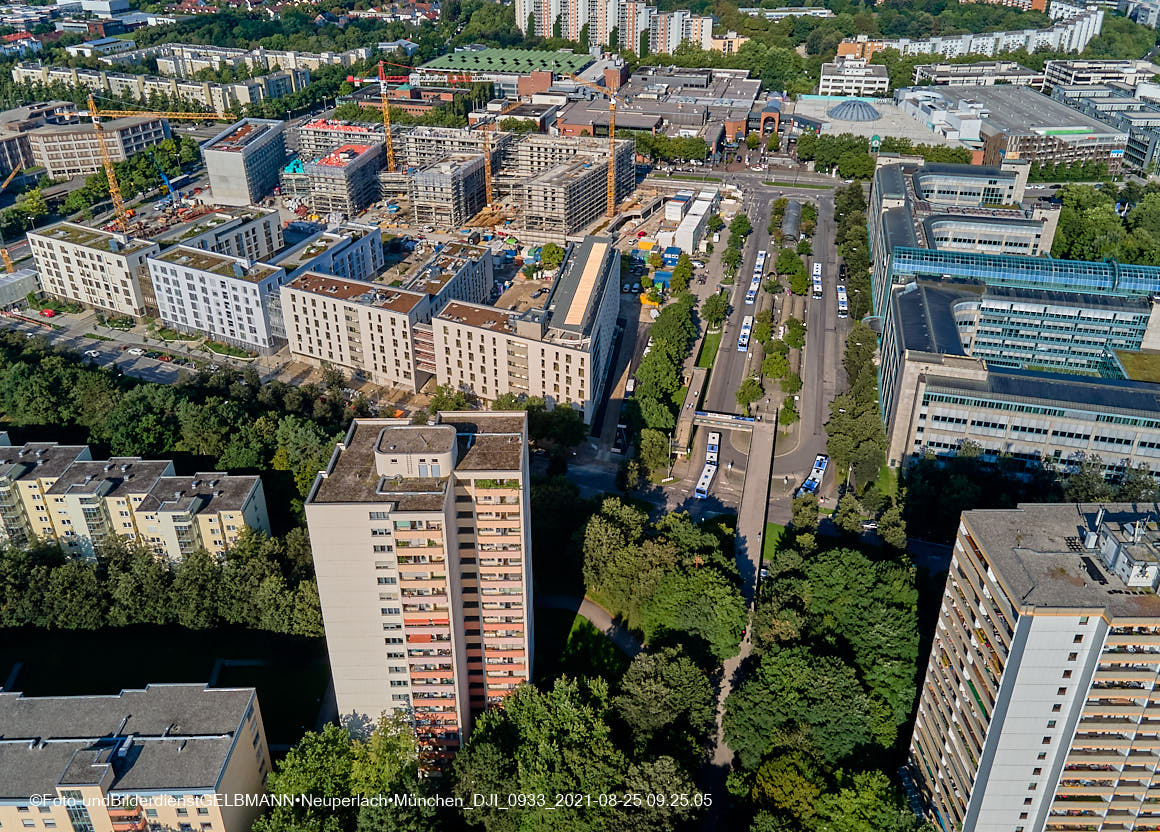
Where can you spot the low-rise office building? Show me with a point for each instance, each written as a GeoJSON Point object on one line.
{"type": "Point", "coordinates": [853, 76]}
{"type": "Point", "coordinates": [68, 150]}
{"type": "Point", "coordinates": [1117, 107]}
{"type": "Point", "coordinates": [982, 74]}
{"type": "Point", "coordinates": [230, 299]}
{"type": "Point", "coordinates": [422, 548]}
{"type": "Point", "coordinates": [243, 161]}
{"type": "Point", "coordinates": [164, 757]}
{"type": "Point", "coordinates": [102, 46]}
{"type": "Point", "coordinates": [99, 269]}
{"type": "Point", "coordinates": [59, 493]}
{"type": "Point", "coordinates": [1094, 73]}
{"type": "Point", "coordinates": [557, 346]}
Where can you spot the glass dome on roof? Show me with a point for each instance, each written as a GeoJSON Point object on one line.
{"type": "Point", "coordinates": [853, 110]}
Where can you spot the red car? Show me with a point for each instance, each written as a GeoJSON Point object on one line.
{"type": "Point", "coordinates": [166, 357]}
{"type": "Point", "coordinates": [48, 313]}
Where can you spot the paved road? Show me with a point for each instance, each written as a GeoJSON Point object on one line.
{"type": "Point", "coordinates": [597, 616]}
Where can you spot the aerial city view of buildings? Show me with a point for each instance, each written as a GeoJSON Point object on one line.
{"type": "Point", "coordinates": [567, 415]}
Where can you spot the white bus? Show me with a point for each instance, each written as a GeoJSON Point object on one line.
{"type": "Point", "coordinates": [817, 269]}
{"type": "Point", "coordinates": [843, 303]}
{"type": "Point", "coordinates": [817, 280]}
{"type": "Point", "coordinates": [707, 474]}
{"type": "Point", "coordinates": [755, 280]}
{"type": "Point", "coordinates": [712, 448]}
{"type": "Point", "coordinates": [743, 338]}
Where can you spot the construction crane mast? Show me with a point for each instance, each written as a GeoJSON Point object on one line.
{"type": "Point", "coordinates": [386, 117]}
{"type": "Point", "coordinates": [107, 159]}
{"type": "Point", "coordinates": [611, 138]}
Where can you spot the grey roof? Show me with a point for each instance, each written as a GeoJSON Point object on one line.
{"type": "Point", "coordinates": [111, 477]}
{"type": "Point", "coordinates": [853, 110]}
{"type": "Point", "coordinates": [1036, 555]}
{"type": "Point", "coordinates": [890, 182]}
{"type": "Point", "coordinates": [899, 227]}
{"type": "Point", "coordinates": [181, 738]}
{"type": "Point", "coordinates": [574, 299]}
{"type": "Point", "coordinates": [205, 491]}
{"type": "Point", "coordinates": [1020, 110]}
{"type": "Point", "coordinates": [972, 171]}
{"type": "Point", "coordinates": [416, 439]}
{"type": "Point", "coordinates": [43, 460]}
{"type": "Point", "coordinates": [924, 317]}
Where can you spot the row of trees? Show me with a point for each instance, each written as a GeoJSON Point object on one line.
{"type": "Point", "coordinates": [739, 228]}
{"type": "Point", "coordinates": [658, 381]}
{"type": "Point", "coordinates": [816, 721]}
{"type": "Point", "coordinates": [661, 148]}
{"type": "Point", "coordinates": [1088, 171]}
{"type": "Point", "coordinates": [138, 173]}
{"type": "Point", "coordinates": [226, 420]}
{"type": "Point", "coordinates": [854, 247]}
{"type": "Point", "coordinates": [262, 583]}
{"type": "Point", "coordinates": [846, 153]}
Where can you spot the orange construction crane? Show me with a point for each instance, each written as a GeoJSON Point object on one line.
{"type": "Point", "coordinates": [488, 129]}
{"type": "Point", "coordinates": [8, 179]}
{"type": "Point", "coordinates": [8, 264]}
{"type": "Point", "coordinates": [107, 160]}
{"type": "Point", "coordinates": [386, 117]}
{"type": "Point", "coordinates": [611, 137]}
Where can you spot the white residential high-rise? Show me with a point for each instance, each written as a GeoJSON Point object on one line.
{"type": "Point", "coordinates": [1038, 710]}
{"type": "Point", "coordinates": [422, 549]}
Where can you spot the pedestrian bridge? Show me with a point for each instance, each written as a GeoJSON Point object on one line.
{"type": "Point", "coordinates": [723, 421]}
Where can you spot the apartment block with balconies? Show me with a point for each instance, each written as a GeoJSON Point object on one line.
{"type": "Point", "coordinates": [175, 757]}
{"type": "Point", "coordinates": [422, 549]}
{"type": "Point", "coordinates": [1040, 708]}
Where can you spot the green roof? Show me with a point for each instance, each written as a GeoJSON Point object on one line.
{"type": "Point", "coordinates": [521, 61]}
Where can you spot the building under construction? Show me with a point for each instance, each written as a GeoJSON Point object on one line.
{"type": "Point", "coordinates": [561, 183]}
{"type": "Point", "coordinates": [316, 138]}
{"type": "Point", "coordinates": [345, 180]}
{"type": "Point", "coordinates": [422, 146]}
{"type": "Point", "coordinates": [449, 192]}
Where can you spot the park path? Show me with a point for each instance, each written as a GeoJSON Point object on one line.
{"type": "Point", "coordinates": [597, 616]}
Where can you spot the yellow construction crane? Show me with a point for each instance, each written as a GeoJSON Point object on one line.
{"type": "Point", "coordinates": [8, 264]}
{"type": "Point", "coordinates": [611, 137]}
{"type": "Point", "coordinates": [487, 131]}
{"type": "Point", "coordinates": [386, 117]}
{"type": "Point", "coordinates": [107, 160]}
{"type": "Point", "coordinates": [11, 176]}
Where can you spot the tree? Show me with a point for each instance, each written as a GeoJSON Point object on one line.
{"type": "Point", "coordinates": [795, 333]}
{"type": "Point", "coordinates": [614, 39]}
{"type": "Point", "coordinates": [804, 247]}
{"type": "Point", "coordinates": [715, 223]}
{"type": "Point", "coordinates": [752, 140]}
{"type": "Point", "coordinates": [656, 260]}
{"type": "Point", "coordinates": [654, 450]}
{"type": "Point", "coordinates": [32, 203]}
{"type": "Point", "coordinates": [749, 391]}
{"type": "Point", "coordinates": [714, 309]}
{"type": "Point", "coordinates": [740, 225]}
{"type": "Point", "coordinates": [892, 527]}
{"type": "Point", "coordinates": [551, 256]}
{"type": "Point", "coordinates": [773, 144]}
{"type": "Point", "coordinates": [855, 165]}
{"type": "Point", "coordinates": [446, 397]}
{"type": "Point", "coordinates": [791, 384]}
{"type": "Point", "coordinates": [848, 517]}
{"type": "Point", "coordinates": [805, 512]}
{"type": "Point", "coordinates": [668, 704]}
{"type": "Point", "coordinates": [700, 602]}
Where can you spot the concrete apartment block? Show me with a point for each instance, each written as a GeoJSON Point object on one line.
{"type": "Point", "coordinates": [251, 233]}
{"type": "Point", "coordinates": [422, 549]}
{"type": "Point", "coordinates": [72, 150]}
{"type": "Point", "coordinates": [58, 492]}
{"type": "Point", "coordinates": [243, 161]}
{"type": "Point", "coordinates": [164, 757]}
{"type": "Point", "coordinates": [100, 269]}
{"type": "Point", "coordinates": [1037, 707]}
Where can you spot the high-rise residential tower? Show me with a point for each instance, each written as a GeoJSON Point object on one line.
{"type": "Point", "coordinates": [422, 550]}
{"type": "Point", "coordinates": [1039, 707]}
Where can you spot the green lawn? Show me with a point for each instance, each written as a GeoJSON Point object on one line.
{"type": "Point", "coordinates": [887, 481]}
{"type": "Point", "coordinates": [773, 535]}
{"type": "Point", "coordinates": [566, 644]}
{"type": "Point", "coordinates": [815, 186]}
{"type": "Point", "coordinates": [709, 348]}
{"type": "Point", "coordinates": [290, 683]}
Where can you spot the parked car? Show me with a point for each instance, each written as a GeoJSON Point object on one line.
{"type": "Point", "coordinates": [135, 351]}
{"type": "Point", "coordinates": [48, 313]}
{"type": "Point", "coordinates": [636, 287]}
{"type": "Point", "coordinates": [625, 288]}
{"type": "Point", "coordinates": [92, 354]}
{"type": "Point", "coordinates": [870, 526]}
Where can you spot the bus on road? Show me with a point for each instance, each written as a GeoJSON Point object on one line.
{"type": "Point", "coordinates": [743, 338]}
{"type": "Point", "coordinates": [755, 280]}
{"type": "Point", "coordinates": [817, 281]}
{"type": "Point", "coordinates": [843, 303]}
{"type": "Point", "coordinates": [712, 448]}
{"type": "Point", "coordinates": [707, 474]}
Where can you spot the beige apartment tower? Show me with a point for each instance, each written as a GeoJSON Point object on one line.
{"type": "Point", "coordinates": [1040, 709]}
{"type": "Point", "coordinates": [422, 549]}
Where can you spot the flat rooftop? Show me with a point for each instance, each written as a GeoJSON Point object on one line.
{"type": "Point", "coordinates": [86, 128]}
{"type": "Point", "coordinates": [1036, 551]}
{"type": "Point", "coordinates": [356, 291]}
{"type": "Point", "coordinates": [239, 135]}
{"type": "Point", "coordinates": [477, 315]}
{"type": "Point", "coordinates": [201, 225]}
{"type": "Point", "coordinates": [177, 737]}
{"type": "Point", "coordinates": [309, 249]}
{"type": "Point", "coordinates": [219, 264]}
{"type": "Point", "coordinates": [1021, 110]}
{"type": "Point", "coordinates": [82, 235]}
{"type": "Point", "coordinates": [511, 61]}
{"type": "Point", "coordinates": [575, 291]}
{"type": "Point", "coordinates": [518, 298]}
{"type": "Point", "coordinates": [891, 121]}
{"type": "Point", "coordinates": [342, 156]}
{"type": "Point", "coordinates": [340, 126]}
{"type": "Point", "coordinates": [437, 272]}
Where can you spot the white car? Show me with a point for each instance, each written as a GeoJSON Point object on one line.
{"type": "Point", "coordinates": [135, 351]}
{"type": "Point", "coordinates": [92, 354]}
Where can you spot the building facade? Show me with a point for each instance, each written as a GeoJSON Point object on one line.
{"type": "Point", "coordinates": [345, 180]}
{"type": "Point", "coordinates": [251, 233]}
{"type": "Point", "coordinates": [230, 299]}
{"type": "Point", "coordinates": [99, 269]}
{"type": "Point", "coordinates": [449, 192]}
{"type": "Point", "coordinates": [1034, 711]}
{"type": "Point", "coordinates": [853, 76]}
{"type": "Point", "coordinates": [72, 150]}
{"type": "Point", "coordinates": [52, 492]}
{"type": "Point", "coordinates": [1094, 73]}
{"type": "Point", "coordinates": [165, 757]}
{"type": "Point", "coordinates": [243, 161]}
{"type": "Point", "coordinates": [982, 74]}
{"type": "Point", "coordinates": [422, 548]}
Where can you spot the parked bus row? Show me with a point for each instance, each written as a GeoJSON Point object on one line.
{"type": "Point", "coordinates": [746, 330]}
{"type": "Point", "coordinates": [755, 281]}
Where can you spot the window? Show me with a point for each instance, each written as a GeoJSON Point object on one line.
{"type": "Point", "coordinates": [1067, 674]}
{"type": "Point", "coordinates": [1037, 771]}
{"type": "Point", "coordinates": [150, 813]}
{"type": "Point", "coordinates": [1051, 723]}
{"type": "Point", "coordinates": [183, 813]}
{"type": "Point", "coordinates": [1061, 692]}
{"type": "Point", "coordinates": [1042, 755]}
{"type": "Point", "coordinates": [1083, 619]}
{"type": "Point", "coordinates": [1026, 802]}
{"type": "Point", "coordinates": [1056, 708]}
{"type": "Point", "coordinates": [29, 822]}
{"type": "Point", "coordinates": [1047, 740]}
{"type": "Point", "coordinates": [1071, 657]}
{"type": "Point", "coordinates": [1078, 639]}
